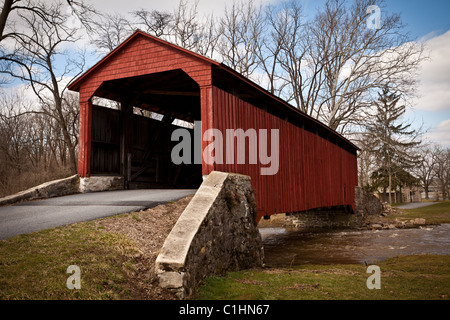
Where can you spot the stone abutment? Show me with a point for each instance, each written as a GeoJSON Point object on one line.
{"type": "Point", "coordinates": [217, 232]}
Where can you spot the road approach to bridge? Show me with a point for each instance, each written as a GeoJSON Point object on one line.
{"type": "Point", "coordinates": [31, 216]}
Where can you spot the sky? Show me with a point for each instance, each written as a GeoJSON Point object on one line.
{"type": "Point", "coordinates": [427, 21]}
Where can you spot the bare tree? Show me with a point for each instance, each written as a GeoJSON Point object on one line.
{"type": "Point", "coordinates": [425, 171]}
{"type": "Point", "coordinates": [367, 162]}
{"type": "Point", "coordinates": [110, 31]}
{"type": "Point", "coordinates": [191, 31]}
{"type": "Point", "coordinates": [84, 13]}
{"type": "Point", "coordinates": [441, 158]}
{"type": "Point", "coordinates": [154, 22]}
{"type": "Point", "coordinates": [34, 61]}
{"type": "Point", "coordinates": [336, 64]}
{"type": "Point", "coordinates": [185, 24]}
{"type": "Point", "coordinates": [32, 147]}
{"type": "Point", "coordinates": [240, 40]}
{"type": "Point", "coordinates": [19, 7]}
{"type": "Point", "coordinates": [208, 37]}
{"type": "Point", "coordinates": [278, 34]}
{"type": "Point", "coordinates": [14, 133]}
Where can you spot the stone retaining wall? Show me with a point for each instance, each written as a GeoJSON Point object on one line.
{"type": "Point", "coordinates": [101, 183]}
{"type": "Point", "coordinates": [217, 232]}
{"type": "Point", "coordinates": [366, 203]}
{"type": "Point", "coordinates": [366, 206]}
{"type": "Point", "coordinates": [55, 188]}
{"type": "Point", "coordinates": [62, 187]}
{"type": "Point", "coordinates": [332, 218]}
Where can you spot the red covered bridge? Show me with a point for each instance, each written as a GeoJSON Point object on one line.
{"type": "Point", "coordinates": [317, 167]}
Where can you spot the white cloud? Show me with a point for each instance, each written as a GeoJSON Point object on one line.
{"type": "Point", "coordinates": [433, 91]}
{"type": "Point", "coordinates": [205, 7]}
{"type": "Point", "coordinates": [440, 134]}
{"type": "Point", "coordinates": [27, 94]}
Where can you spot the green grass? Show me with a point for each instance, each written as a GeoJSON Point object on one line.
{"type": "Point", "coordinates": [408, 277]}
{"type": "Point", "coordinates": [34, 266]}
{"type": "Point", "coordinates": [433, 214]}
{"type": "Point", "coordinates": [405, 277]}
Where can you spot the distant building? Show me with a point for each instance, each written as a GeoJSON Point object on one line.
{"type": "Point", "coordinates": [434, 192]}
{"type": "Point", "coordinates": [406, 194]}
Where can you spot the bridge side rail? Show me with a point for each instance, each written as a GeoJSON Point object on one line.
{"type": "Point", "coordinates": [217, 232]}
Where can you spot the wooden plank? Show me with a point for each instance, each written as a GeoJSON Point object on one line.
{"type": "Point", "coordinates": [310, 174]}
{"type": "Point", "coordinates": [105, 142]}
{"type": "Point", "coordinates": [165, 123]}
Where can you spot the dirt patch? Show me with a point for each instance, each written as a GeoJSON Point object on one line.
{"type": "Point", "coordinates": [148, 229]}
{"type": "Point", "coordinates": [301, 286]}
{"type": "Point", "coordinates": [274, 221]}
{"type": "Point", "coordinates": [317, 271]}
{"type": "Point", "coordinates": [250, 281]}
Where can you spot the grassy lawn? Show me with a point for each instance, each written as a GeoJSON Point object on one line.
{"type": "Point", "coordinates": [34, 266]}
{"type": "Point", "coordinates": [433, 214]}
{"type": "Point", "coordinates": [115, 255]}
{"type": "Point", "coordinates": [404, 277]}
{"type": "Point", "coordinates": [408, 277]}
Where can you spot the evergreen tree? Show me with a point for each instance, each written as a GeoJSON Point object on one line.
{"type": "Point", "coordinates": [400, 178]}
{"type": "Point", "coordinates": [393, 138]}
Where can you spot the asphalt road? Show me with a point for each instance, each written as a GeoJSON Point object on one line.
{"type": "Point", "coordinates": [414, 205]}
{"type": "Point", "coordinates": [26, 217]}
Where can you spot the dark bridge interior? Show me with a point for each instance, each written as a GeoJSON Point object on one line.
{"type": "Point", "coordinates": [135, 141]}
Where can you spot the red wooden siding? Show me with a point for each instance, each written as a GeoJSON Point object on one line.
{"type": "Point", "coordinates": [84, 139]}
{"type": "Point", "coordinates": [143, 55]}
{"type": "Point", "coordinates": [313, 172]}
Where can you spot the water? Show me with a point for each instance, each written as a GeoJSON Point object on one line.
{"type": "Point", "coordinates": [286, 248]}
